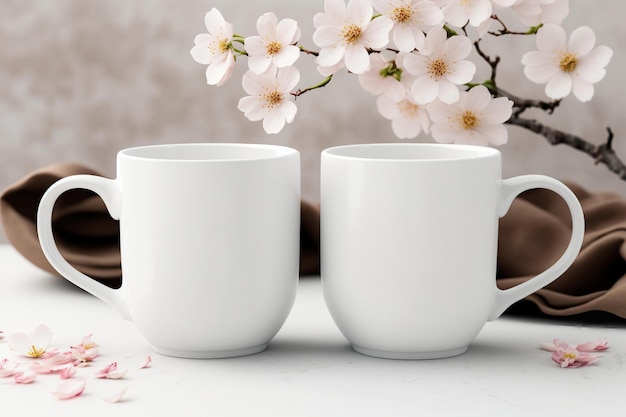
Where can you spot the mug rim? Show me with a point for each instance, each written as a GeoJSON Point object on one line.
{"type": "Point", "coordinates": [428, 152]}
{"type": "Point", "coordinates": [189, 152]}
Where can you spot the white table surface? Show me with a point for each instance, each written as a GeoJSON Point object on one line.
{"type": "Point", "coordinates": [308, 370]}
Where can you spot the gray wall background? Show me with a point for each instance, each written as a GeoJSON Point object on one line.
{"type": "Point", "coordinates": [81, 79]}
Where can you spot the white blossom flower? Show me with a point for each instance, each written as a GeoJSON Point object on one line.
{"type": "Point", "coordinates": [474, 119]}
{"type": "Point", "coordinates": [460, 12]}
{"type": "Point", "coordinates": [535, 12]}
{"type": "Point", "coordinates": [408, 119]}
{"type": "Point", "coordinates": [411, 18]}
{"type": "Point", "coordinates": [269, 97]}
{"type": "Point", "coordinates": [215, 48]}
{"type": "Point", "coordinates": [33, 345]}
{"type": "Point", "coordinates": [567, 66]}
{"type": "Point", "coordinates": [274, 45]}
{"type": "Point", "coordinates": [383, 77]}
{"type": "Point", "coordinates": [346, 32]}
{"type": "Point", "coordinates": [440, 67]}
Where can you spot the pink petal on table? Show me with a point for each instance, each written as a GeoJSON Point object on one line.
{"type": "Point", "coordinates": [145, 363]}
{"type": "Point", "coordinates": [70, 388]}
{"type": "Point", "coordinates": [111, 372]}
{"type": "Point", "coordinates": [8, 368]}
{"type": "Point", "coordinates": [68, 372]}
{"type": "Point", "coordinates": [596, 345]}
{"type": "Point", "coordinates": [26, 377]}
{"type": "Point", "coordinates": [547, 346]}
{"type": "Point", "coordinates": [117, 397]}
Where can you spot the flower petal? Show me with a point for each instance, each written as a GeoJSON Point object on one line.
{"type": "Point", "coordinates": [26, 377]}
{"type": "Point", "coordinates": [559, 86]}
{"type": "Point", "coordinates": [19, 342]}
{"type": "Point", "coordinates": [117, 397]}
{"type": "Point", "coordinates": [551, 38]}
{"type": "Point", "coordinates": [357, 59]}
{"type": "Point", "coordinates": [448, 92]}
{"type": "Point", "coordinates": [599, 344]}
{"type": "Point", "coordinates": [70, 388]}
{"type": "Point", "coordinates": [424, 90]}
{"type": "Point", "coordinates": [582, 89]}
{"type": "Point", "coordinates": [581, 41]}
{"type": "Point", "coordinates": [266, 24]}
{"type": "Point", "coordinates": [462, 72]}
{"type": "Point", "coordinates": [359, 12]}
{"type": "Point", "coordinates": [146, 362]}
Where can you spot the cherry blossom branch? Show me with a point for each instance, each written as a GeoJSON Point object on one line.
{"type": "Point", "coordinates": [602, 154]}
{"type": "Point", "coordinates": [522, 104]}
{"type": "Point", "coordinates": [324, 83]}
{"type": "Point", "coordinates": [505, 30]}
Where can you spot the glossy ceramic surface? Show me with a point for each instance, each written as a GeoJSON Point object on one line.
{"type": "Point", "coordinates": [209, 239]}
{"type": "Point", "coordinates": [409, 244]}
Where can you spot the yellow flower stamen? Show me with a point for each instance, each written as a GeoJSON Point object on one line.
{"type": "Point", "coordinates": [408, 109]}
{"type": "Point", "coordinates": [468, 120]}
{"type": "Point", "coordinates": [351, 34]}
{"type": "Point", "coordinates": [272, 99]}
{"type": "Point", "coordinates": [219, 46]}
{"type": "Point", "coordinates": [273, 48]}
{"type": "Point", "coordinates": [569, 62]}
{"type": "Point", "coordinates": [402, 14]}
{"type": "Point", "coordinates": [438, 68]}
{"type": "Point", "coordinates": [35, 352]}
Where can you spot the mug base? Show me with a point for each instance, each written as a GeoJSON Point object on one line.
{"type": "Point", "coordinates": [440, 354]}
{"type": "Point", "coordinates": [220, 354]}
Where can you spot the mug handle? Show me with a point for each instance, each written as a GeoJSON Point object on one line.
{"type": "Point", "coordinates": [107, 190]}
{"type": "Point", "coordinates": [511, 188]}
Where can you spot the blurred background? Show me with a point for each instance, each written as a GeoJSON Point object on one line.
{"type": "Point", "coordinates": [82, 79]}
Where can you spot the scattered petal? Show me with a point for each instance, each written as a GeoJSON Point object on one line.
{"type": "Point", "coordinates": [68, 372]}
{"type": "Point", "coordinates": [87, 342]}
{"type": "Point", "coordinates": [146, 362]}
{"type": "Point", "coordinates": [26, 377]}
{"type": "Point", "coordinates": [596, 345]}
{"type": "Point", "coordinates": [567, 356]}
{"type": "Point", "coordinates": [111, 372]}
{"type": "Point", "coordinates": [70, 388]}
{"type": "Point", "coordinates": [81, 355]}
{"type": "Point", "coordinates": [8, 368]}
{"type": "Point", "coordinates": [117, 397]}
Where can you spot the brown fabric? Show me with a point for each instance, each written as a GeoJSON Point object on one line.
{"type": "Point", "coordinates": [536, 231]}
{"type": "Point", "coordinates": [533, 235]}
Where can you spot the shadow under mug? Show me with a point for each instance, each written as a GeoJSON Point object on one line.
{"type": "Point", "coordinates": [409, 237]}
{"type": "Point", "coordinates": [209, 237]}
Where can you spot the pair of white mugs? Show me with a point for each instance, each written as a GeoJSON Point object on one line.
{"type": "Point", "coordinates": [209, 238]}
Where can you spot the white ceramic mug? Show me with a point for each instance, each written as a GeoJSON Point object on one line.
{"type": "Point", "coordinates": [209, 237]}
{"type": "Point", "coordinates": [409, 244]}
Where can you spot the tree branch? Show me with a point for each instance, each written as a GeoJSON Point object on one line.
{"type": "Point", "coordinates": [602, 154]}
